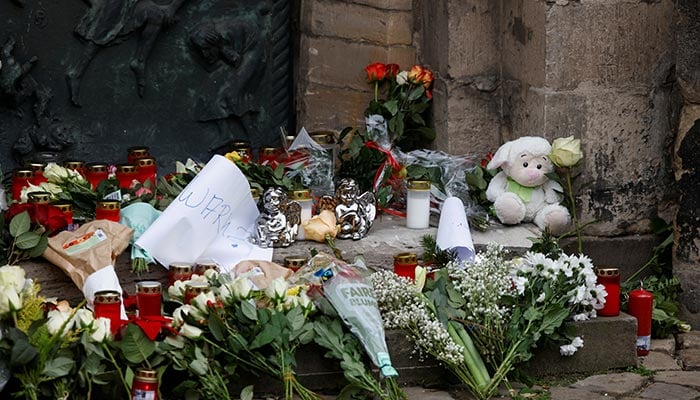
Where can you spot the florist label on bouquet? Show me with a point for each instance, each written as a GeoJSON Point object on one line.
{"type": "Point", "coordinates": [212, 218]}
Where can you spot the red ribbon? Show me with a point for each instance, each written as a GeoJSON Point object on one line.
{"type": "Point", "coordinates": [394, 164]}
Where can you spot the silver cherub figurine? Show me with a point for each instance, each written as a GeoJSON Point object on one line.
{"type": "Point", "coordinates": [278, 223]}
{"type": "Point", "coordinates": [355, 213]}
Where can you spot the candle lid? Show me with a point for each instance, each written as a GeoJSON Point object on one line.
{"type": "Point", "coordinates": [126, 168]}
{"type": "Point", "coordinates": [323, 137]}
{"type": "Point", "coordinates": [255, 193]}
{"type": "Point", "coordinates": [97, 167]}
{"type": "Point", "coordinates": [63, 206]}
{"type": "Point", "coordinates": [301, 194]}
{"type": "Point", "coordinates": [406, 258]}
{"type": "Point", "coordinates": [74, 164]}
{"type": "Point", "coordinates": [180, 267]}
{"type": "Point", "coordinates": [38, 197]}
{"type": "Point", "coordinates": [202, 266]}
{"type": "Point", "coordinates": [108, 205]}
{"type": "Point", "coordinates": [418, 185]}
{"type": "Point", "coordinates": [146, 161]}
{"type": "Point", "coordinates": [138, 150]}
{"type": "Point", "coordinates": [152, 287]}
{"type": "Point", "coordinates": [23, 173]}
{"type": "Point", "coordinates": [608, 272]}
{"type": "Point", "coordinates": [269, 151]}
{"type": "Point", "coordinates": [295, 262]}
{"type": "Point", "coordinates": [196, 287]}
{"type": "Point", "coordinates": [36, 166]}
{"type": "Point", "coordinates": [147, 375]}
{"type": "Point", "coordinates": [107, 297]}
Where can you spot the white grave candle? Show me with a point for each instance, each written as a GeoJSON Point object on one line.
{"type": "Point", "coordinates": [418, 204]}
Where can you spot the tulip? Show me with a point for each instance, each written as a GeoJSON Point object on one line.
{"type": "Point", "coordinates": [566, 152]}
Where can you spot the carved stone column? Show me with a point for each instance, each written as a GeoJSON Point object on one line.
{"type": "Point", "coordinates": [686, 252]}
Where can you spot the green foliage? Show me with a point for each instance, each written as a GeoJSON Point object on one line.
{"type": "Point", "coordinates": [546, 244]}
{"type": "Point", "coordinates": [25, 240]}
{"type": "Point", "coordinates": [433, 255]}
{"type": "Point", "coordinates": [641, 369]}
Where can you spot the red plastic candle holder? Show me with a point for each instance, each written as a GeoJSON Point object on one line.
{"type": "Point", "coordinates": [268, 155]}
{"type": "Point", "coordinates": [405, 265]}
{"type": "Point", "coordinates": [146, 170]}
{"type": "Point", "coordinates": [179, 271]}
{"type": "Point", "coordinates": [77, 166]}
{"type": "Point", "coordinates": [610, 279]}
{"type": "Point", "coordinates": [295, 262]}
{"type": "Point", "coordinates": [137, 152]}
{"type": "Point", "coordinates": [145, 385]}
{"type": "Point", "coordinates": [38, 169]}
{"type": "Point", "coordinates": [21, 178]}
{"type": "Point", "coordinates": [194, 289]}
{"type": "Point", "coordinates": [108, 304]}
{"type": "Point", "coordinates": [96, 173]}
{"type": "Point", "coordinates": [126, 174]}
{"type": "Point", "coordinates": [149, 298]}
{"type": "Point", "coordinates": [640, 306]}
{"type": "Point", "coordinates": [108, 209]}
{"type": "Point", "coordinates": [242, 147]}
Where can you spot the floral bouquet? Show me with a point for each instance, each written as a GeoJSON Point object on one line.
{"type": "Point", "coordinates": [482, 318]}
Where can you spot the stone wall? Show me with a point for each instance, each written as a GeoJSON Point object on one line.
{"type": "Point", "coordinates": [598, 70]}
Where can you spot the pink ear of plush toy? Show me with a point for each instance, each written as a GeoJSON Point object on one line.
{"type": "Point", "coordinates": [521, 191]}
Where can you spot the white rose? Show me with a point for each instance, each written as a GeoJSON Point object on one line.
{"type": "Point", "coordinates": [200, 302]}
{"type": "Point", "coordinates": [211, 274]}
{"type": "Point", "coordinates": [177, 290]}
{"type": "Point", "coordinates": [305, 301]}
{"type": "Point", "coordinates": [55, 173]}
{"type": "Point", "coordinates": [101, 330]}
{"type": "Point", "coordinates": [56, 320]}
{"type": "Point", "coordinates": [191, 332]}
{"type": "Point", "coordinates": [241, 288]}
{"type": "Point", "coordinates": [402, 78]}
{"type": "Point", "coordinates": [9, 300]}
{"type": "Point", "coordinates": [566, 152]}
{"type": "Point", "coordinates": [12, 276]}
{"type": "Point", "coordinates": [83, 318]}
{"type": "Point", "coordinates": [277, 290]}
{"type": "Point", "coordinates": [180, 313]}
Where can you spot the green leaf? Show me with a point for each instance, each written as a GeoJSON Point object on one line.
{"type": "Point", "coordinates": [20, 224]}
{"type": "Point", "coordinates": [296, 318]}
{"type": "Point", "coordinates": [532, 314]}
{"type": "Point", "coordinates": [268, 334]}
{"type": "Point", "coordinates": [247, 393]}
{"type": "Point", "coordinates": [39, 249]}
{"type": "Point", "coordinates": [416, 93]}
{"type": "Point", "coordinates": [27, 240]}
{"type": "Point", "coordinates": [392, 106]}
{"type": "Point", "coordinates": [249, 310]}
{"type": "Point", "coordinates": [553, 320]}
{"type": "Point", "coordinates": [135, 345]}
{"type": "Point", "coordinates": [22, 353]}
{"type": "Point", "coordinates": [58, 367]}
{"type": "Point", "coordinates": [217, 327]}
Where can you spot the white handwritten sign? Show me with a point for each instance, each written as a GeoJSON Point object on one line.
{"type": "Point", "coordinates": [211, 219]}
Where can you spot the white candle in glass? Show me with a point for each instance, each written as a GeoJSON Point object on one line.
{"type": "Point", "coordinates": [418, 204]}
{"type": "Point", "coordinates": [303, 197]}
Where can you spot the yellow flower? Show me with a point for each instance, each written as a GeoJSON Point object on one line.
{"type": "Point", "coordinates": [233, 156]}
{"type": "Point", "coordinates": [294, 290]}
{"type": "Point", "coordinates": [317, 227]}
{"type": "Point", "coordinates": [566, 152]}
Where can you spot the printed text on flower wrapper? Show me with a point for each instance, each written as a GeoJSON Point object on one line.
{"type": "Point", "coordinates": [359, 296]}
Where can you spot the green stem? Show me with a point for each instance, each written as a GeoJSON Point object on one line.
{"type": "Point", "coordinates": [574, 219]}
{"type": "Point", "coordinates": [116, 366]}
{"type": "Point", "coordinates": [376, 92]}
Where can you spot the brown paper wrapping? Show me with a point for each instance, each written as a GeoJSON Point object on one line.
{"type": "Point", "coordinates": [271, 271]}
{"type": "Point", "coordinates": [81, 265]}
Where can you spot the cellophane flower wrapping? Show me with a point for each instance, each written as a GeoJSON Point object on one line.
{"type": "Point", "coordinates": [311, 162]}
{"type": "Point", "coordinates": [352, 297]}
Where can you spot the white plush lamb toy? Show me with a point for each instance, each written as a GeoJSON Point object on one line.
{"type": "Point", "coordinates": [521, 191]}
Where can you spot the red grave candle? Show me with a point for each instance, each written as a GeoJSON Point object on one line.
{"type": "Point", "coordinates": [137, 152]}
{"type": "Point", "coordinates": [108, 209]}
{"type": "Point", "coordinates": [148, 298]}
{"type": "Point", "coordinates": [96, 173]}
{"type": "Point", "coordinates": [610, 279]}
{"type": "Point", "coordinates": [242, 147]}
{"type": "Point", "coordinates": [108, 304]}
{"type": "Point", "coordinates": [405, 265]}
{"type": "Point", "coordinates": [126, 174]}
{"type": "Point", "coordinates": [145, 385]}
{"type": "Point", "coordinates": [295, 262]}
{"type": "Point", "coordinates": [268, 155]}
{"type": "Point", "coordinates": [640, 306]}
{"type": "Point", "coordinates": [38, 169]}
{"type": "Point", "coordinates": [74, 165]}
{"type": "Point", "coordinates": [179, 271]}
{"type": "Point", "coordinates": [146, 170]}
{"type": "Point", "coordinates": [67, 210]}
{"type": "Point", "coordinates": [193, 289]}
{"type": "Point", "coordinates": [21, 178]}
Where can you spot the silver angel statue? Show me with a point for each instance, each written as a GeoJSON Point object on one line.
{"type": "Point", "coordinates": [355, 213]}
{"type": "Point", "coordinates": [278, 223]}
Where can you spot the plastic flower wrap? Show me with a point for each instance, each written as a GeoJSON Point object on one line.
{"type": "Point", "coordinates": [352, 296]}
{"type": "Point", "coordinates": [309, 161]}
{"type": "Point", "coordinates": [139, 216]}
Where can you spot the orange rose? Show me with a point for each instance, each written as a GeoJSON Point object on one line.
{"type": "Point", "coordinates": [414, 75]}
{"type": "Point", "coordinates": [426, 78]}
{"type": "Point", "coordinates": [376, 72]}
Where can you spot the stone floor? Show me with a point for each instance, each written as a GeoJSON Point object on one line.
{"type": "Point", "coordinates": [671, 371]}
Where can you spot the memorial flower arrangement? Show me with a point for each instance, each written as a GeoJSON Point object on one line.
{"type": "Point", "coordinates": [482, 319]}
{"type": "Point", "coordinates": [567, 155]}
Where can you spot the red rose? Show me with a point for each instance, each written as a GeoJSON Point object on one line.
{"type": "Point", "coordinates": [376, 72]}
{"type": "Point", "coordinates": [485, 161]}
{"type": "Point", "coordinates": [18, 208]}
{"type": "Point", "coordinates": [429, 94]}
{"type": "Point", "coordinates": [51, 217]}
{"type": "Point", "coordinates": [392, 70]}
{"type": "Point", "coordinates": [426, 78]}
